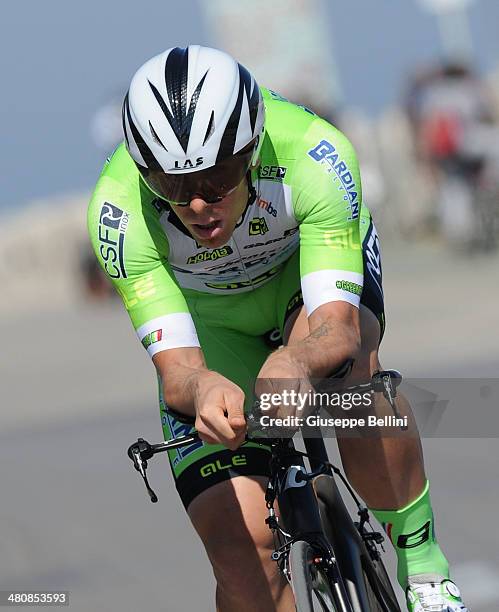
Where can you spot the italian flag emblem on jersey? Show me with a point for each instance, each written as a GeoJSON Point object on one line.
{"type": "Point", "coordinates": [151, 338]}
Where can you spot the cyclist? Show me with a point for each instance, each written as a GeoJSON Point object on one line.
{"type": "Point", "coordinates": [452, 115]}
{"type": "Point", "coordinates": [226, 213]}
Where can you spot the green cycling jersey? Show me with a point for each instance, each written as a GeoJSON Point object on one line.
{"type": "Point", "coordinates": [309, 199]}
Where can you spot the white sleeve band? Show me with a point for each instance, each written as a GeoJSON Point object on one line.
{"type": "Point", "coordinates": [325, 286]}
{"type": "Point", "coordinates": [169, 331]}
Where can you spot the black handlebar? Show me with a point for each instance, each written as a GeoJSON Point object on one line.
{"type": "Point", "coordinates": [140, 452]}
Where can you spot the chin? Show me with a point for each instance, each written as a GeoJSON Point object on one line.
{"type": "Point", "coordinates": [215, 243]}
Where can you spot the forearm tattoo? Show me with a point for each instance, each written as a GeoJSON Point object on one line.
{"type": "Point", "coordinates": [322, 330]}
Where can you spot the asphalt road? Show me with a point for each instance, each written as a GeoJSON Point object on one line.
{"type": "Point", "coordinates": [77, 389]}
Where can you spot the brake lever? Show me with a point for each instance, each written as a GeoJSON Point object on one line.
{"type": "Point", "coordinates": [382, 383]}
{"type": "Point", "coordinates": [139, 452]}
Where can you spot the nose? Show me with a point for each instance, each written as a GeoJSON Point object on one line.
{"type": "Point", "coordinates": [197, 205]}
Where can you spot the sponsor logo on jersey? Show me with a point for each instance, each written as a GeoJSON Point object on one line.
{"type": "Point", "coordinates": [177, 429]}
{"type": "Point", "coordinates": [349, 286]}
{"type": "Point", "coordinates": [326, 153]}
{"type": "Point", "coordinates": [342, 238]}
{"type": "Point", "coordinates": [250, 261]}
{"type": "Point", "coordinates": [141, 289]}
{"type": "Point", "coordinates": [188, 164]}
{"type": "Point", "coordinates": [258, 226]}
{"type": "Point", "coordinates": [274, 173]}
{"type": "Point", "coordinates": [217, 466]}
{"type": "Point", "coordinates": [158, 205]}
{"type": "Point", "coordinates": [249, 283]}
{"type": "Point", "coordinates": [307, 110]}
{"type": "Point", "coordinates": [373, 255]}
{"type": "Point", "coordinates": [267, 206]}
{"type": "Point", "coordinates": [296, 300]}
{"type": "Point", "coordinates": [152, 338]}
{"type": "Point", "coordinates": [287, 233]}
{"type": "Point", "coordinates": [277, 96]}
{"type": "Point", "coordinates": [113, 223]}
{"type": "Point", "coordinates": [210, 255]}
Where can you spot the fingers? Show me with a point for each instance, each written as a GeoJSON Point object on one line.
{"type": "Point", "coordinates": [235, 415]}
{"type": "Point", "coordinates": [223, 423]}
{"type": "Point", "coordinates": [220, 411]}
{"type": "Point", "coordinates": [206, 435]}
{"type": "Point", "coordinates": [215, 429]}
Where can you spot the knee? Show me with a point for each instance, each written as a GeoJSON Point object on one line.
{"type": "Point", "coordinates": [231, 523]}
{"type": "Point", "coordinates": [241, 557]}
{"type": "Point", "coordinates": [365, 365]}
{"type": "Point", "coordinates": [367, 361]}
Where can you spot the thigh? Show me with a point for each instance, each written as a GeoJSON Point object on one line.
{"type": "Point", "coordinates": [367, 361]}
{"type": "Point", "coordinates": [238, 505]}
{"type": "Point", "coordinates": [230, 520]}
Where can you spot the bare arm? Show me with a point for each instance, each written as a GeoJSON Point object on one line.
{"type": "Point", "coordinates": [334, 338]}
{"type": "Point", "coordinates": [214, 401]}
{"type": "Point", "coordinates": [179, 370]}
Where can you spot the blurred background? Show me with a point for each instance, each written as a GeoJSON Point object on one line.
{"type": "Point", "coordinates": [414, 85]}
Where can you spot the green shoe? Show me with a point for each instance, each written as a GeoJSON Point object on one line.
{"type": "Point", "coordinates": [433, 593]}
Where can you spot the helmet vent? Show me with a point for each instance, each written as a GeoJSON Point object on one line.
{"type": "Point", "coordinates": [155, 137]}
{"type": "Point", "coordinates": [210, 129]}
{"type": "Point", "coordinates": [178, 110]}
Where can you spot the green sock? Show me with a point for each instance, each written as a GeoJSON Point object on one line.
{"type": "Point", "coordinates": [412, 533]}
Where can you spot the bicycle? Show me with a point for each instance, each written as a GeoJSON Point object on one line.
{"type": "Point", "coordinates": [332, 563]}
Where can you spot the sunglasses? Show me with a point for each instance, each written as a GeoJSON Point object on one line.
{"type": "Point", "coordinates": [211, 184]}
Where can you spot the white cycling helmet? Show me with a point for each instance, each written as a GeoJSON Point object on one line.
{"type": "Point", "coordinates": [193, 120]}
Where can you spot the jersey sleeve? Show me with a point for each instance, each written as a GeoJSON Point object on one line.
{"type": "Point", "coordinates": [131, 247]}
{"type": "Point", "coordinates": [327, 207]}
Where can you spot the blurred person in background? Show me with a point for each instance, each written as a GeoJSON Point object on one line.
{"type": "Point", "coordinates": [95, 282]}
{"type": "Point", "coordinates": [452, 114]}
{"type": "Point", "coordinates": [228, 212]}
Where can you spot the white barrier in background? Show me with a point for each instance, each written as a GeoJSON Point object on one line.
{"type": "Point", "coordinates": [40, 252]}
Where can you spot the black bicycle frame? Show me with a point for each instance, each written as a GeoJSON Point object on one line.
{"type": "Point", "coordinates": [344, 537]}
{"type": "Point", "coordinates": [300, 513]}
{"type": "Point", "coordinates": [306, 503]}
